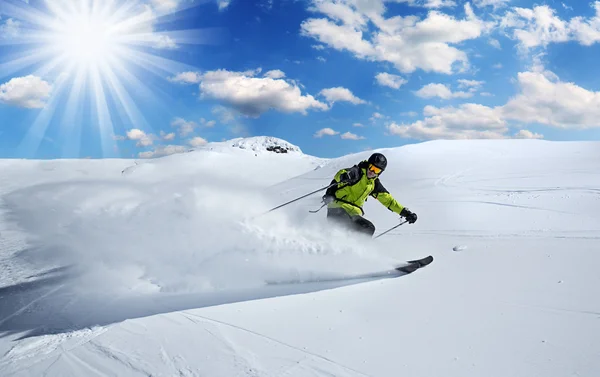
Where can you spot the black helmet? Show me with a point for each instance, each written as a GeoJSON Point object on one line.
{"type": "Point", "coordinates": [378, 160]}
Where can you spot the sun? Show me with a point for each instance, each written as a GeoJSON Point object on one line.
{"type": "Point", "coordinates": [100, 51]}
{"type": "Point", "coordinates": [86, 41]}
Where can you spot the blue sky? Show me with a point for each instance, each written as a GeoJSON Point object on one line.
{"type": "Point", "coordinates": [146, 78]}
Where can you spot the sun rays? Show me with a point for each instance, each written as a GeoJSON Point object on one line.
{"type": "Point", "coordinates": [95, 54]}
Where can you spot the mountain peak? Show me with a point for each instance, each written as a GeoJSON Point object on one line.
{"type": "Point", "coordinates": [265, 143]}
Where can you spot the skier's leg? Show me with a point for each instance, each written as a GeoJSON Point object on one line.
{"type": "Point", "coordinates": [339, 217]}
{"type": "Point", "coordinates": [364, 226]}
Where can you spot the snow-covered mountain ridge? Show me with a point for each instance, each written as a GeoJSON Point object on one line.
{"type": "Point", "coordinates": [258, 144]}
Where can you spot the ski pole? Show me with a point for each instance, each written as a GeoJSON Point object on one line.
{"type": "Point", "coordinates": [404, 222]}
{"type": "Point", "coordinates": [295, 200]}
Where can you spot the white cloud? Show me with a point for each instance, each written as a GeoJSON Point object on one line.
{"type": "Point", "coordinates": [167, 136]}
{"type": "Point", "coordinates": [30, 92]}
{"type": "Point", "coordinates": [390, 80]}
{"type": "Point", "coordinates": [340, 37]}
{"type": "Point", "coordinates": [325, 131]}
{"type": "Point", "coordinates": [160, 151]}
{"type": "Point", "coordinates": [209, 123]}
{"type": "Point", "coordinates": [10, 29]}
{"type": "Point", "coordinates": [275, 74]}
{"type": "Point", "coordinates": [165, 5]}
{"type": "Point", "coordinates": [540, 26]}
{"type": "Point", "coordinates": [183, 126]}
{"type": "Point", "coordinates": [495, 43]}
{"type": "Point", "coordinates": [441, 91]}
{"type": "Point", "coordinates": [358, 125]}
{"type": "Point", "coordinates": [463, 83]}
{"type": "Point", "coordinates": [253, 96]}
{"type": "Point", "coordinates": [187, 78]}
{"type": "Point", "coordinates": [143, 139]}
{"type": "Point", "coordinates": [493, 3]}
{"type": "Point", "coordinates": [164, 42]}
{"type": "Point", "coordinates": [197, 141]}
{"type": "Point", "coordinates": [497, 66]}
{"type": "Point", "coordinates": [526, 134]}
{"type": "Point", "coordinates": [376, 116]}
{"type": "Point", "coordinates": [223, 4]}
{"type": "Point", "coordinates": [542, 99]}
{"type": "Point", "coordinates": [340, 94]}
{"type": "Point", "coordinates": [439, 3]}
{"type": "Point", "coordinates": [406, 42]}
{"type": "Point", "coordinates": [468, 121]}
{"type": "Point", "coordinates": [351, 136]}
{"type": "Point", "coordinates": [551, 102]}
{"type": "Point", "coordinates": [340, 12]}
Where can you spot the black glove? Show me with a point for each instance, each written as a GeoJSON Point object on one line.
{"type": "Point", "coordinates": [408, 215]}
{"type": "Point", "coordinates": [328, 198]}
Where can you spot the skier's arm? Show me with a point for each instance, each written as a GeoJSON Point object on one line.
{"type": "Point", "coordinates": [342, 178]}
{"type": "Point", "coordinates": [385, 198]}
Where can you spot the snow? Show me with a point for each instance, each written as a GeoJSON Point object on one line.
{"type": "Point", "coordinates": [158, 267]}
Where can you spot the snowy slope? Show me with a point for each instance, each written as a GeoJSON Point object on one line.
{"type": "Point", "coordinates": [158, 268]}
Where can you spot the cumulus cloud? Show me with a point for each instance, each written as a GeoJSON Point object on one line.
{"type": "Point", "coordinates": [495, 43]}
{"type": "Point", "coordinates": [468, 121]}
{"type": "Point", "coordinates": [197, 141]}
{"type": "Point", "coordinates": [275, 74]}
{"type": "Point", "coordinates": [471, 84]}
{"type": "Point", "coordinates": [30, 92]}
{"type": "Point", "coordinates": [439, 3]}
{"type": "Point", "coordinates": [351, 136]}
{"type": "Point", "coordinates": [493, 3]}
{"type": "Point", "coordinates": [187, 78]}
{"type": "Point", "coordinates": [161, 151]}
{"type": "Point", "coordinates": [409, 43]}
{"type": "Point", "coordinates": [207, 123]}
{"type": "Point", "coordinates": [340, 94]}
{"type": "Point", "coordinates": [164, 42]}
{"type": "Point", "coordinates": [223, 4]}
{"type": "Point", "coordinates": [390, 80]}
{"type": "Point", "coordinates": [325, 132]}
{"type": "Point", "coordinates": [183, 126]}
{"type": "Point", "coordinates": [10, 29]}
{"type": "Point", "coordinates": [542, 99]}
{"type": "Point", "coordinates": [253, 96]}
{"type": "Point", "coordinates": [540, 26]}
{"type": "Point", "coordinates": [526, 134]}
{"type": "Point", "coordinates": [143, 139]}
{"type": "Point", "coordinates": [442, 91]}
{"type": "Point", "coordinates": [545, 99]}
{"type": "Point", "coordinates": [167, 136]}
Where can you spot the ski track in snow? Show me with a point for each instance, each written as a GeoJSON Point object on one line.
{"type": "Point", "coordinates": [74, 301]}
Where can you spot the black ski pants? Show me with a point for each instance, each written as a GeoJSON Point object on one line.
{"type": "Point", "coordinates": [355, 223]}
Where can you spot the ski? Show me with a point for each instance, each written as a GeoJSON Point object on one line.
{"type": "Point", "coordinates": [395, 272]}
{"type": "Point", "coordinates": [414, 265]}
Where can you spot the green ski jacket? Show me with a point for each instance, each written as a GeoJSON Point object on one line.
{"type": "Point", "coordinates": [352, 196]}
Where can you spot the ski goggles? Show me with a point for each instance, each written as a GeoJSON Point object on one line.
{"type": "Point", "coordinates": [374, 169]}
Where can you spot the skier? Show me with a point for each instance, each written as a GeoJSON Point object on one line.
{"type": "Point", "coordinates": [345, 200]}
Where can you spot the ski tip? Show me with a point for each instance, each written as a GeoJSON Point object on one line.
{"type": "Point", "coordinates": [414, 265]}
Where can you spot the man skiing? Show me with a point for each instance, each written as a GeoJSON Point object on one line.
{"type": "Point", "coordinates": [345, 200]}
